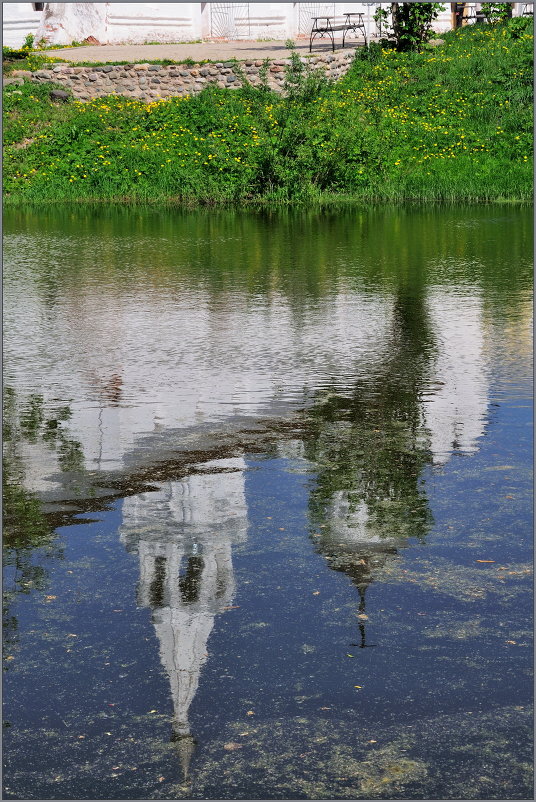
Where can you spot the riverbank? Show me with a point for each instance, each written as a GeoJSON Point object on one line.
{"type": "Point", "coordinates": [452, 123]}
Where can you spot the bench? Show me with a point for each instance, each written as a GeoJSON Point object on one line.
{"type": "Point", "coordinates": [328, 26]}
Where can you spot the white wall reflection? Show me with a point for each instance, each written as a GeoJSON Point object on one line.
{"type": "Point", "coordinates": [136, 367]}
{"type": "Point", "coordinates": [455, 410]}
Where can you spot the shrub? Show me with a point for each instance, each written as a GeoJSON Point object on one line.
{"type": "Point", "coordinates": [496, 12]}
{"type": "Point", "coordinates": [411, 24]}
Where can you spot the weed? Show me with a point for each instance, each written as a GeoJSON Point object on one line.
{"type": "Point", "coordinates": [453, 123]}
{"type": "Point", "coordinates": [30, 60]}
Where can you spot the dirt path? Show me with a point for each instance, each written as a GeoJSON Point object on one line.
{"type": "Point", "coordinates": [197, 51]}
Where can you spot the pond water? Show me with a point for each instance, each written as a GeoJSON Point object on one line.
{"type": "Point", "coordinates": [268, 511]}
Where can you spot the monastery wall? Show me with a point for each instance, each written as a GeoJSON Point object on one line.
{"type": "Point", "coordinates": [138, 23]}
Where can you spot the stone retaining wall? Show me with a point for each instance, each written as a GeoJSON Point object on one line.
{"type": "Point", "coordinates": [150, 81]}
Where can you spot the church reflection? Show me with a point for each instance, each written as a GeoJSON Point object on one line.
{"type": "Point", "coordinates": [368, 447]}
{"type": "Point", "coordinates": [183, 535]}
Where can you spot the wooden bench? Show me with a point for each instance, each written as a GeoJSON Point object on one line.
{"type": "Point", "coordinates": [328, 26]}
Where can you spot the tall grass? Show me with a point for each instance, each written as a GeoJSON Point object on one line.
{"type": "Point", "coordinates": [451, 123]}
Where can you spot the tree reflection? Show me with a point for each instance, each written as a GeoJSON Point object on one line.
{"type": "Point", "coordinates": [25, 528]}
{"type": "Point", "coordinates": [370, 447]}
{"type": "Point", "coordinates": [33, 431]}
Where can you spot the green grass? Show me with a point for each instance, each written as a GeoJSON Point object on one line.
{"type": "Point", "coordinates": [29, 61]}
{"type": "Point", "coordinates": [451, 123]}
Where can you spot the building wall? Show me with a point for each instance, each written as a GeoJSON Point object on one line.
{"type": "Point", "coordinates": [152, 22]}
{"type": "Point", "coordinates": [63, 23]}
{"type": "Point", "coordinates": [18, 21]}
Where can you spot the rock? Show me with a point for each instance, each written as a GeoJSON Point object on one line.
{"type": "Point", "coordinates": [436, 42]}
{"type": "Point", "coordinates": [108, 68]}
{"type": "Point", "coordinates": [93, 76]}
{"type": "Point", "coordinates": [90, 40]}
{"type": "Point", "coordinates": [59, 94]}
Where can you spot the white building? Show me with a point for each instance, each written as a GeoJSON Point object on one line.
{"type": "Point", "coordinates": [115, 23]}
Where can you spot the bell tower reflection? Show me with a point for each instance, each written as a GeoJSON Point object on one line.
{"type": "Point", "coordinates": [183, 535]}
{"type": "Point", "coordinates": [369, 447]}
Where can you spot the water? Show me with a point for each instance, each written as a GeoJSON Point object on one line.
{"type": "Point", "coordinates": [268, 504]}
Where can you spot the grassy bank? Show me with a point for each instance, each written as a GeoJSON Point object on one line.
{"type": "Point", "coordinates": [451, 123]}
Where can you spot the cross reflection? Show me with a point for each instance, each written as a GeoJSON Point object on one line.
{"type": "Point", "coordinates": [183, 535]}
{"type": "Point", "coordinates": [363, 565]}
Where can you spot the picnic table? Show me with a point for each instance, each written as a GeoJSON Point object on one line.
{"type": "Point", "coordinates": [328, 26]}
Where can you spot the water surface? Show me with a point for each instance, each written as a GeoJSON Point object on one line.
{"type": "Point", "coordinates": [268, 498]}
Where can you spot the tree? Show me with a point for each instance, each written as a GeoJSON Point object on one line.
{"type": "Point", "coordinates": [412, 23]}
{"type": "Point", "coordinates": [496, 12]}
